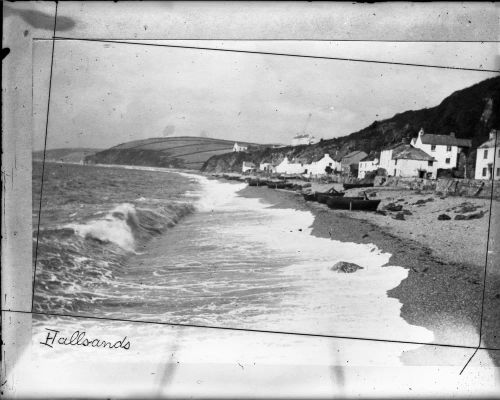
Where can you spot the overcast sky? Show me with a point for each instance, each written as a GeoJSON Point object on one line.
{"type": "Point", "coordinates": [105, 94]}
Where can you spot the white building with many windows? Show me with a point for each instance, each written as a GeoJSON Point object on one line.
{"type": "Point", "coordinates": [445, 149]}
{"type": "Point", "coordinates": [247, 166]}
{"type": "Point", "coordinates": [488, 158]}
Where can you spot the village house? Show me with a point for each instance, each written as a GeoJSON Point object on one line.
{"type": "Point", "coordinates": [266, 166]}
{"type": "Point", "coordinates": [444, 148]}
{"type": "Point", "coordinates": [304, 139]}
{"type": "Point", "coordinates": [237, 148]}
{"type": "Point", "coordinates": [287, 167]}
{"type": "Point", "coordinates": [368, 164]}
{"type": "Point", "coordinates": [488, 157]}
{"type": "Point", "coordinates": [247, 166]}
{"type": "Point", "coordinates": [406, 161]}
{"type": "Point", "coordinates": [350, 162]}
{"type": "Point", "coordinates": [318, 164]}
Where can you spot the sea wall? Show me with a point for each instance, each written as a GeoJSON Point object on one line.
{"type": "Point", "coordinates": [450, 187]}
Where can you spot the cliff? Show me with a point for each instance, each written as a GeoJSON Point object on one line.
{"type": "Point", "coordinates": [471, 113]}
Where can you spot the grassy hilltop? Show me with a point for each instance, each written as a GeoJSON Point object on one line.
{"type": "Point", "coordinates": [188, 152]}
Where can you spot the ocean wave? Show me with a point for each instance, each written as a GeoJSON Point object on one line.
{"type": "Point", "coordinates": [127, 225]}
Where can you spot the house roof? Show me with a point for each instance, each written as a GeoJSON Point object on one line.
{"type": "Point", "coordinates": [408, 152]}
{"type": "Point", "coordinates": [371, 157]}
{"type": "Point", "coordinates": [491, 143]}
{"type": "Point", "coordinates": [445, 140]}
{"type": "Point", "coordinates": [354, 154]}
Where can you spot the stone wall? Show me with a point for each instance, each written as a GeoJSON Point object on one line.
{"type": "Point", "coordinates": [450, 187]}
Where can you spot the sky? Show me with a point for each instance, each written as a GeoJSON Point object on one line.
{"type": "Point", "coordinates": [103, 94]}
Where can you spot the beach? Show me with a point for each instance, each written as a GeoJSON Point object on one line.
{"type": "Point", "coordinates": [445, 260]}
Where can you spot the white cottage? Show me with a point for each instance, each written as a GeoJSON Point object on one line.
{"type": "Point", "coordinates": [287, 167]}
{"type": "Point", "coordinates": [444, 148]}
{"type": "Point", "coordinates": [404, 160]}
{"type": "Point", "coordinates": [488, 157]}
{"type": "Point", "coordinates": [237, 148]}
{"type": "Point", "coordinates": [247, 166]}
{"type": "Point", "coordinates": [367, 164]}
{"type": "Point", "coordinates": [267, 167]}
{"type": "Point", "coordinates": [318, 165]}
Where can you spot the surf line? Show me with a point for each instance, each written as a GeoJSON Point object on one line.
{"type": "Point", "coordinates": [78, 339]}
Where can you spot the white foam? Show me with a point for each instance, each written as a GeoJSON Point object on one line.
{"type": "Point", "coordinates": [112, 228]}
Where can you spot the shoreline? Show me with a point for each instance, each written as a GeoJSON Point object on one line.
{"type": "Point", "coordinates": [439, 293]}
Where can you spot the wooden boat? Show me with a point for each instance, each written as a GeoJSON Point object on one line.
{"type": "Point", "coordinates": [322, 197]}
{"type": "Point", "coordinates": [310, 196]}
{"type": "Point", "coordinates": [348, 186]}
{"type": "Point", "coordinates": [353, 203]}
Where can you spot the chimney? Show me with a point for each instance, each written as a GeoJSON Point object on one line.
{"type": "Point", "coordinates": [452, 134]}
{"type": "Point", "coordinates": [493, 133]}
{"type": "Point", "coordinates": [421, 132]}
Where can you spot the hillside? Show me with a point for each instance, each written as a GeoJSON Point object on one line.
{"type": "Point", "coordinates": [188, 152]}
{"type": "Point", "coordinates": [65, 154]}
{"type": "Point", "coordinates": [471, 113]}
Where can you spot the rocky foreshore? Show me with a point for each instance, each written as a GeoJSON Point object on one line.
{"type": "Point", "coordinates": [445, 258]}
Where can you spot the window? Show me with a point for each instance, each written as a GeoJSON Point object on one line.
{"type": "Point", "coordinates": [447, 161]}
{"type": "Point", "coordinates": [485, 154]}
{"type": "Point", "coordinates": [498, 171]}
{"type": "Point", "coordinates": [431, 163]}
{"type": "Point", "coordinates": [448, 148]}
{"type": "Point", "coordinates": [484, 171]}
{"type": "Point", "coordinates": [433, 147]}
{"type": "Point", "coordinates": [396, 162]}
{"type": "Point", "coordinates": [499, 153]}
{"type": "Point", "coordinates": [329, 164]}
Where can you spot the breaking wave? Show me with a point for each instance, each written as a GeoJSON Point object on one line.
{"type": "Point", "coordinates": [126, 225]}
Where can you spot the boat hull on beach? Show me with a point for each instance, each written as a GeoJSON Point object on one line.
{"type": "Point", "coordinates": [324, 197]}
{"type": "Point", "coordinates": [348, 186]}
{"type": "Point", "coordinates": [353, 203]}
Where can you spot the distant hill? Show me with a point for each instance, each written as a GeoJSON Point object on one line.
{"type": "Point", "coordinates": [65, 154]}
{"type": "Point", "coordinates": [470, 113]}
{"type": "Point", "coordinates": [188, 152]}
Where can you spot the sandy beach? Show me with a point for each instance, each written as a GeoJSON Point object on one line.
{"type": "Point", "coordinates": [445, 260]}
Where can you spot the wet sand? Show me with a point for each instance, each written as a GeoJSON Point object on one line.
{"type": "Point", "coordinates": [445, 261]}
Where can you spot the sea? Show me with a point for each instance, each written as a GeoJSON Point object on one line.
{"type": "Point", "coordinates": [161, 245]}
{"type": "Point", "coordinates": [219, 295]}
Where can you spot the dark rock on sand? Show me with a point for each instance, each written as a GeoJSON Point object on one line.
{"type": "Point", "coordinates": [393, 207]}
{"type": "Point", "coordinates": [400, 216]}
{"type": "Point", "coordinates": [475, 215]}
{"type": "Point", "coordinates": [381, 212]}
{"type": "Point", "coordinates": [443, 217]}
{"type": "Point", "coordinates": [346, 267]}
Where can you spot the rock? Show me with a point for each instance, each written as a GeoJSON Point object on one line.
{"type": "Point", "coordinates": [345, 267]}
{"type": "Point", "coordinates": [476, 215]}
{"type": "Point", "coordinates": [419, 202]}
{"type": "Point", "coordinates": [373, 194]}
{"type": "Point", "coordinates": [443, 217]}
{"type": "Point", "coordinates": [365, 235]}
{"type": "Point", "coordinates": [393, 207]}
{"type": "Point", "coordinates": [407, 212]}
{"type": "Point", "coordinates": [399, 216]}
{"type": "Point", "coordinates": [400, 200]}
{"type": "Point", "coordinates": [381, 212]}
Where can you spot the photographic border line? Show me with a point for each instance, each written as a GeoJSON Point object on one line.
{"type": "Point", "coordinates": [227, 328]}
{"type": "Point", "coordinates": [43, 164]}
{"type": "Point", "coordinates": [360, 60]}
{"type": "Point", "coordinates": [32, 312]}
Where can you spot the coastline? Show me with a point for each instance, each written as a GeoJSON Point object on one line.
{"type": "Point", "coordinates": [443, 289]}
